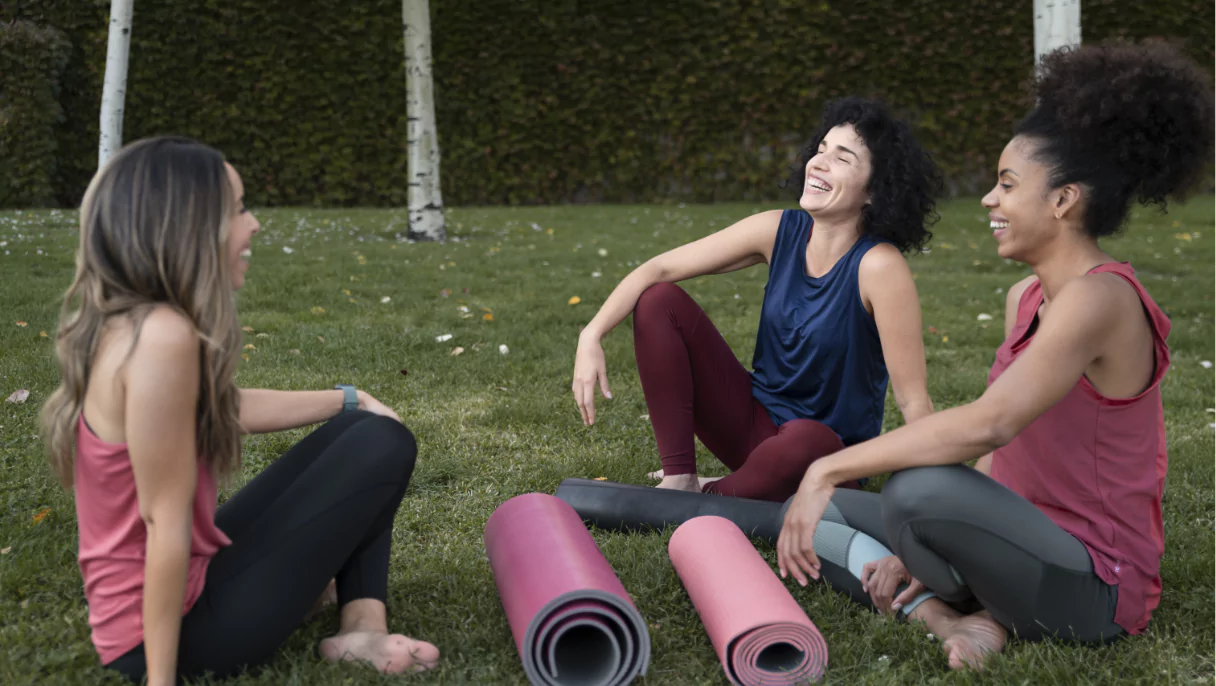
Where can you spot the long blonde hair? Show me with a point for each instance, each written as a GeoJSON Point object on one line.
{"type": "Point", "coordinates": [153, 231]}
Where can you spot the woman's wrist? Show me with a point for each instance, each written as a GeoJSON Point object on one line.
{"type": "Point", "coordinates": [817, 478]}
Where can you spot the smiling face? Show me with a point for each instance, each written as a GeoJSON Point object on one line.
{"type": "Point", "coordinates": [1024, 214]}
{"type": "Point", "coordinates": [836, 177]}
{"type": "Point", "coordinates": [241, 227]}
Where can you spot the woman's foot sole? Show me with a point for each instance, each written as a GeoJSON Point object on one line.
{"type": "Point", "coordinates": [388, 653]}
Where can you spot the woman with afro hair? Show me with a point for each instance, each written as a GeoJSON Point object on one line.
{"type": "Point", "coordinates": [1057, 531]}
{"type": "Point", "coordinates": [840, 315]}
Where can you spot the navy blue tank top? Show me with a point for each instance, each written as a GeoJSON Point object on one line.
{"type": "Point", "coordinates": [818, 355]}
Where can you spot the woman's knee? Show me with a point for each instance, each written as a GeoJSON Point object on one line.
{"type": "Point", "coordinates": [384, 444]}
{"type": "Point", "coordinates": [809, 440]}
{"type": "Point", "coordinates": [657, 300]}
{"type": "Point", "coordinates": [918, 492]}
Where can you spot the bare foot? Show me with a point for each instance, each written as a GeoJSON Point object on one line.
{"type": "Point", "coordinates": [972, 639]}
{"type": "Point", "coordinates": [681, 482]}
{"type": "Point", "coordinates": [327, 598]}
{"type": "Point", "coordinates": [388, 653]}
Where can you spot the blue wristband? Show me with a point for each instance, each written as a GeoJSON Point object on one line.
{"type": "Point", "coordinates": [350, 400]}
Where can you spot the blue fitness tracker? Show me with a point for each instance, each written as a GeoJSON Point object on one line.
{"type": "Point", "coordinates": [350, 400]}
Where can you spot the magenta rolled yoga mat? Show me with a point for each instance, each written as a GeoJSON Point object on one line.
{"type": "Point", "coordinates": [759, 631]}
{"type": "Point", "coordinates": [573, 622]}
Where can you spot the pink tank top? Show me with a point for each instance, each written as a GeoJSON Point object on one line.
{"type": "Point", "coordinates": [113, 542]}
{"type": "Point", "coordinates": [1096, 465]}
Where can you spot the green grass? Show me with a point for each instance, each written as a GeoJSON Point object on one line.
{"type": "Point", "coordinates": [492, 426]}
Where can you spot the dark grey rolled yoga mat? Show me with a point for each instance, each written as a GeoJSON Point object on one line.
{"type": "Point", "coordinates": [625, 507]}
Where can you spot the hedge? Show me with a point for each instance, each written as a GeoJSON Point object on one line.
{"type": "Point", "coordinates": [551, 101]}
{"type": "Point", "coordinates": [32, 59]}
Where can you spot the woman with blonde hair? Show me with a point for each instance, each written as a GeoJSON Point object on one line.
{"type": "Point", "coordinates": [148, 418]}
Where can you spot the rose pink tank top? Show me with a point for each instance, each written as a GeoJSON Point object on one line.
{"type": "Point", "coordinates": [1096, 465]}
{"type": "Point", "coordinates": [113, 542]}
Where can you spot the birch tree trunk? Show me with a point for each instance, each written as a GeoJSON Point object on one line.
{"type": "Point", "coordinates": [425, 200]}
{"type": "Point", "coordinates": [114, 89]}
{"type": "Point", "coordinates": [1056, 23]}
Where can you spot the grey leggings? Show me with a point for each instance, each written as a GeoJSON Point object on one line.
{"type": "Point", "coordinates": [969, 539]}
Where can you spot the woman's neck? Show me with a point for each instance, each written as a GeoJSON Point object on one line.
{"type": "Point", "coordinates": [830, 240]}
{"type": "Point", "coordinates": [1067, 263]}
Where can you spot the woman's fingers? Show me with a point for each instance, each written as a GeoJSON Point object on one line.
{"type": "Point", "coordinates": [867, 570]}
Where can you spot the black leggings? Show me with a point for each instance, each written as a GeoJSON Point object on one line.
{"type": "Point", "coordinates": [324, 509]}
{"type": "Point", "coordinates": [969, 538]}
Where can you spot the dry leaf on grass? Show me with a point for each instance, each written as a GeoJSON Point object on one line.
{"type": "Point", "coordinates": [22, 324]}
{"type": "Point", "coordinates": [42, 334]}
{"type": "Point", "coordinates": [443, 338]}
{"type": "Point", "coordinates": [574, 300]}
{"type": "Point", "coordinates": [488, 317]}
{"type": "Point", "coordinates": [42, 515]}
{"type": "Point", "coordinates": [18, 396]}
{"type": "Point", "coordinates": [456, 351]}
{"type": "Point", "coordinates": [445, 292]}
{"type": "Point", "coordinates": [318, 310]}
{"type": "Point", "coordinates": [247, 329]}
{"type": "Point", "coordinates": [600, 478]}
{"type": "Point", "coordinates": [6, 551]}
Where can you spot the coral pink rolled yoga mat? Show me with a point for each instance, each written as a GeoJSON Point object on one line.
{"type": "Point", "coordinates": [573, 622]}
{"type": "Point", "coordinates": [759, 631]}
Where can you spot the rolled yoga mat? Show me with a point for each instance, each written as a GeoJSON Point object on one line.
{"type": "Point", "coordinates": [624, 507]}
{"type": "Point", "coordinates": [573, 622]}
{"type": "Point", "coordinates": [759, 631]}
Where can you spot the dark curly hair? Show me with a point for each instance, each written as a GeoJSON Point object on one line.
{"type": "Point", "coordinates": [904, 182]}
{"type": "Point", "coordinates": [1124, 120]}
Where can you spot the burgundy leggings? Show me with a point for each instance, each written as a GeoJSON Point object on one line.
{"type": "Point", "coordinates": [694, 385]}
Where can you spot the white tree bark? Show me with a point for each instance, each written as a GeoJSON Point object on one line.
{"type": "Point", "coordinates": [425, 200]}
{"type": "Point", "coordinates": [114, 90]}
{"type": "Point", "coordinates": [1057, 23]}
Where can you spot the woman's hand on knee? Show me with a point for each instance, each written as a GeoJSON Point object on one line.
{"type": "Point", "coordinates": [589, 370]}
{"type": "Point", "coordinates": [370, 404]}
{"type": "Point", "coordinates": [880, 578]}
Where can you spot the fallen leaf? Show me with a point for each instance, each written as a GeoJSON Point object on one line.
{"type": "Point", "coordinates": [321, 339]}
{"type": "Point", "coordinates": [1183, 236]}
{"type": "Point", "coordinates": [602, 252]}
{"type": "Point", "coordinates": [6, 551]}
{"type": "Point", "coordinates": [250, 346]}
{"type": "Point", "coordinates": [596, 275]}
{"type": "Point", "coordinates": [444, 337]}
{"type": "Point", "coordinates": [350, 300]}
{"type": "Point", "coordinates": [18, 396]}
{"type": "Point", "coordinates": [385, 300]}
{"type": "Point", "coordinates": [293, 351]}
{"type": "Point", "coordinates": [244, 357]}
{"type": "Point", "coordinates": [287, 250]}
{"type": "Point", "coordinates": [451, 264]}
{"type": "Point", "coordinates": [42, 515]}
{"type": "Point", "coordinates": [42, 333]}
{"type": "Point", "coordinates": [345, 291]}
{"type": "Point", "coordinates": [504, 349]}
{"type": "Point", "coordinates": [983, 317]}
{"type": "Point", "coordinates": [462, 308]}
{"type": "Point", "coordinates": [318, 310]}
{"type": "Point", "coordinates": [405, 372]}
{"type": "Point", "coordinates": [945, 339]}
{"type": "Point", "coordinates": [549, 231]}
{"type": "Point", "coordinates": [504, 389]}
{"type": "Point", "coordinates": [456, 351]}
{"type": "Point", "coordinates": [1205, 364]}
{"type": "Point", "coordinates": [262, 335]}
{"type": "Point", "coordinates": [247, 329]}
{"type": "Point", "coordinates": [445, 292]}
{"type": "Point", "coordinates": [574, 300]}
{"type": "Point", "coordinates": [600, 478]}
{"type": "Point", "coordinates": [486, 309]}
{"type": "Point", "coordinates": [22, 324]}
{"type": "Point", "coordinates": [361, 259]}
{"type": "Point", "coordinates": [644, 417]}
{"type": "Point", "coordinates": [488, 317]}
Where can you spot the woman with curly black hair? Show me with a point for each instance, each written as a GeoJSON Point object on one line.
{"type": "Point", "coordinates": [1058, 530]}
{"type": "Point", "coordinates": [839, 311]}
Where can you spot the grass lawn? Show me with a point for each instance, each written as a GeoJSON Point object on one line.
{"type": "Point", "coordinates": [333, 297]}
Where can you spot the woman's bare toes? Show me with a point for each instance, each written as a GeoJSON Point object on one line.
{"type": "Point", "coordinates": [388, 653]}
{"type": "Point", "coordinates": [974, 640]}
{"type": "Point", "coordinates": [655, 475]}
